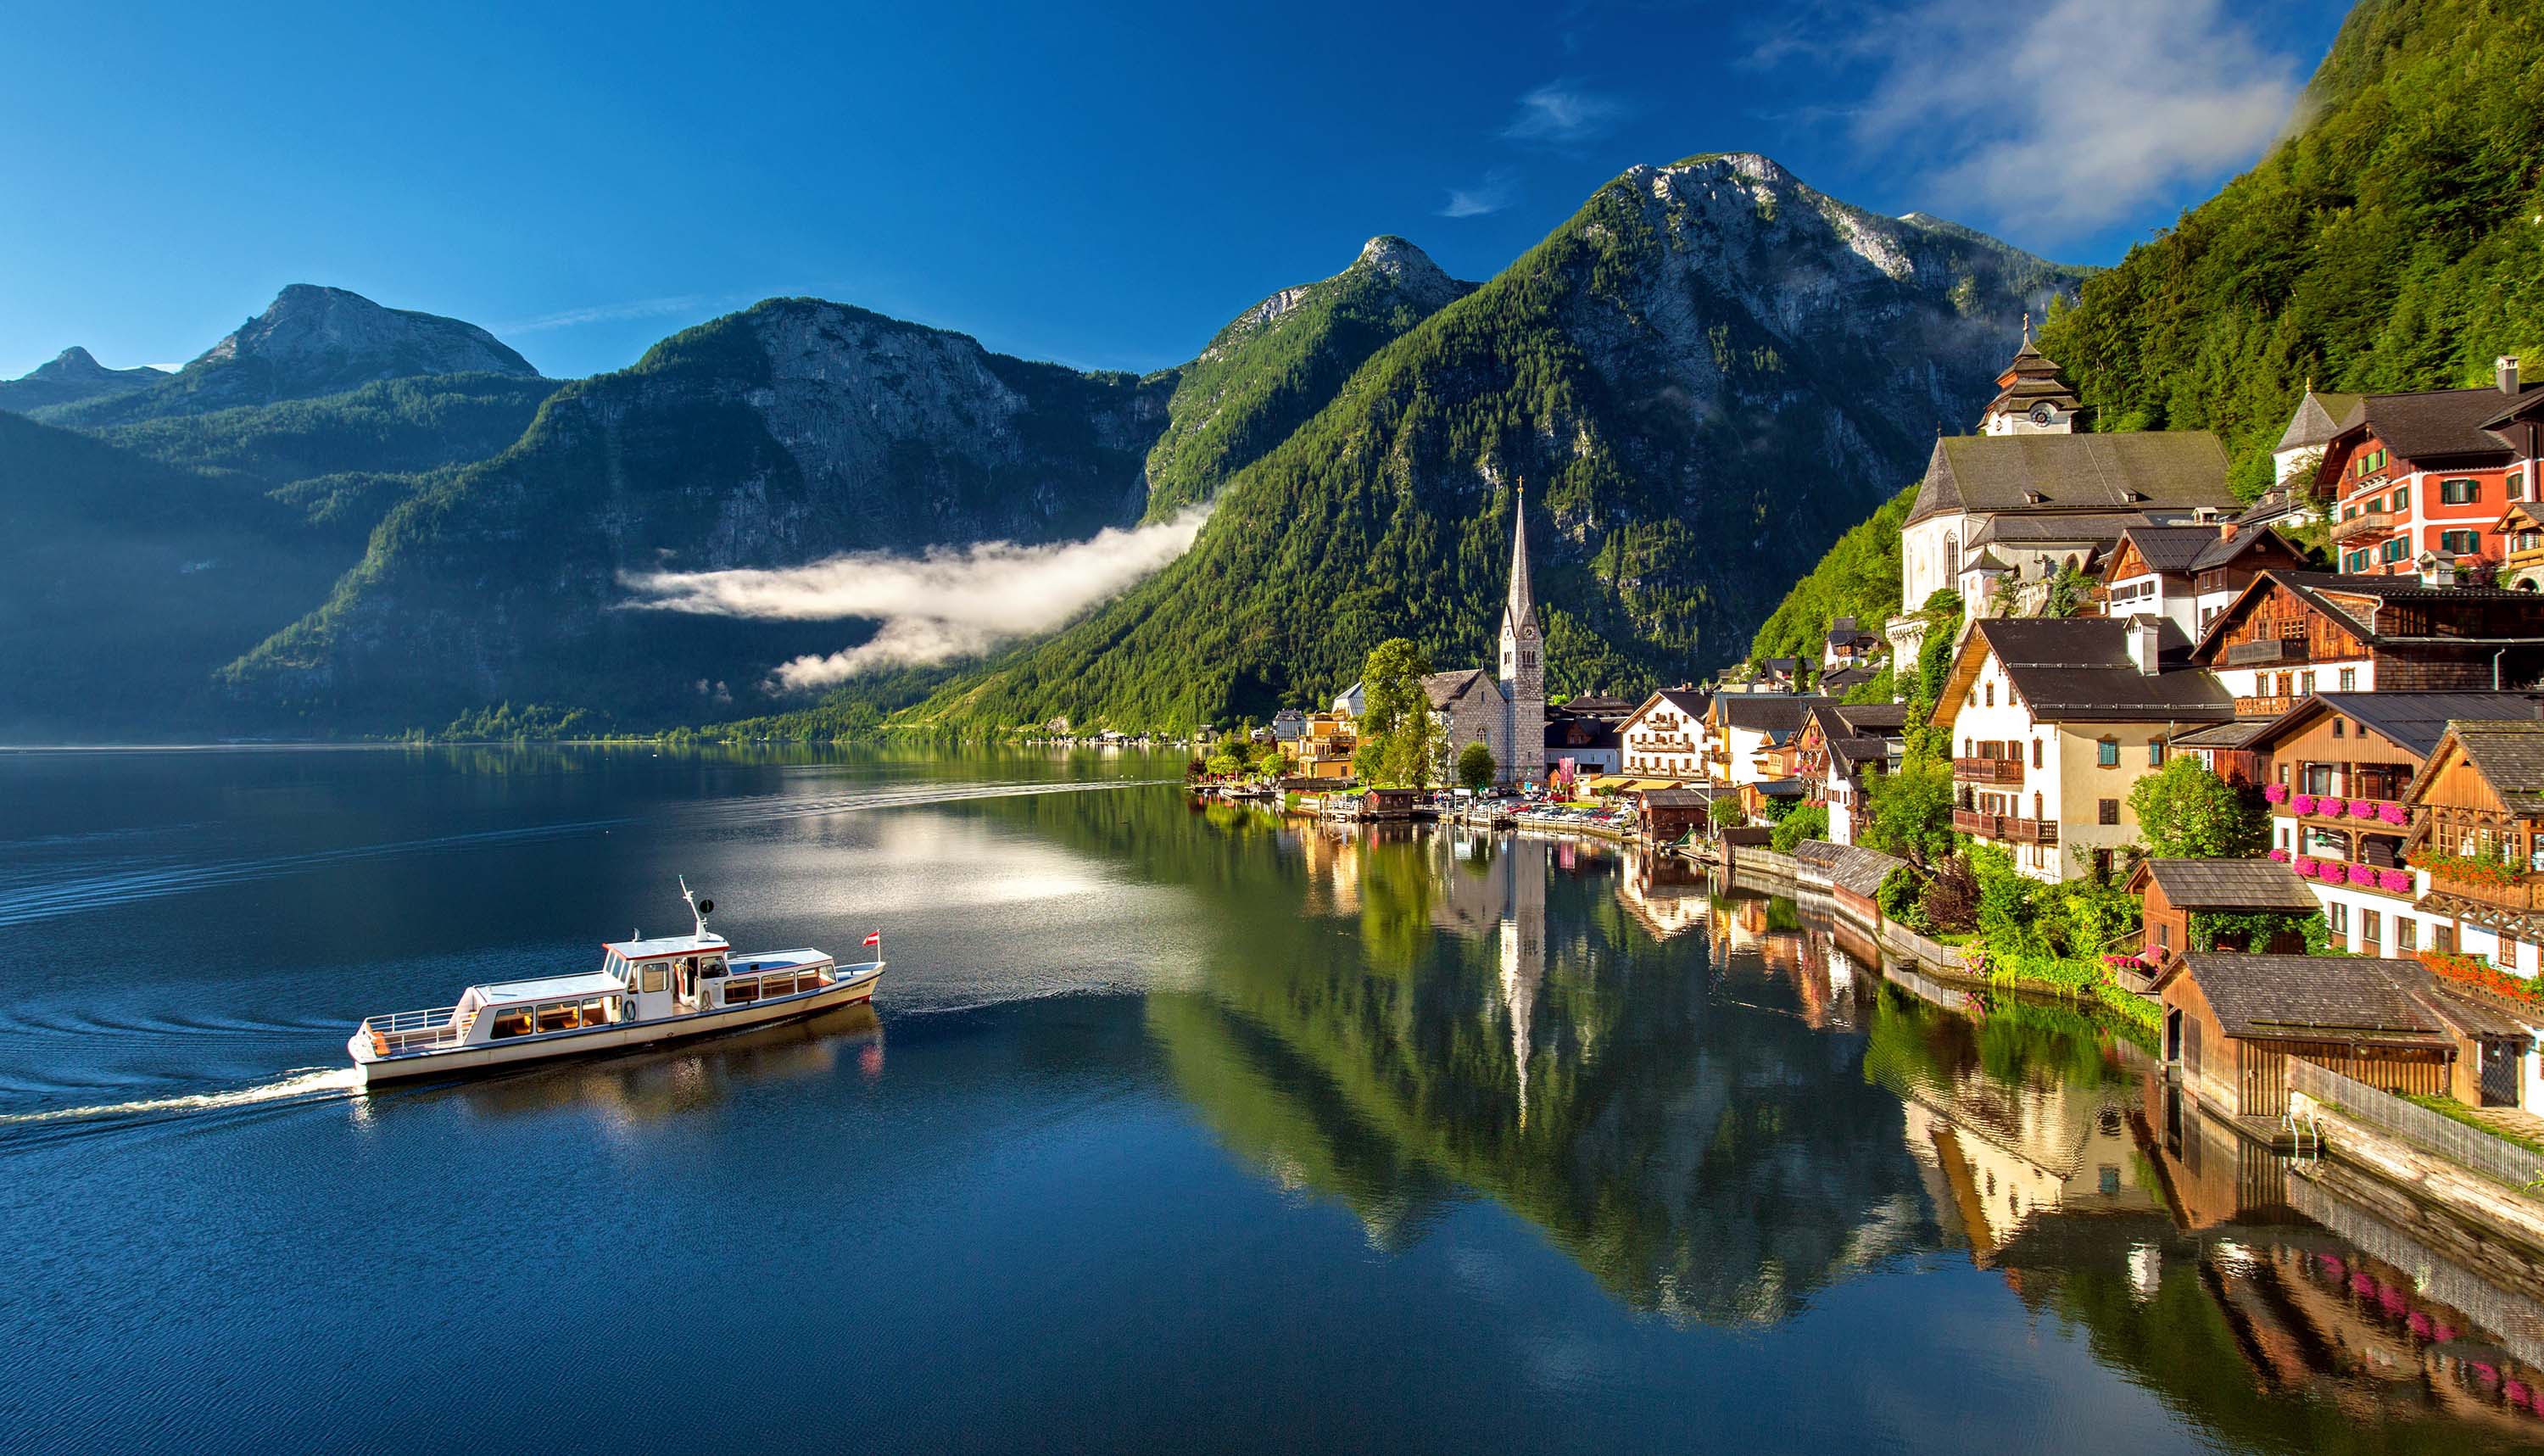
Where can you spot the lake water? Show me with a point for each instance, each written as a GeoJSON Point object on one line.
{"type": "Point", "coordinates": [1171, 1130]}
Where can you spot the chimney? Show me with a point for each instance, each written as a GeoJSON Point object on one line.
{"type": "Point", "coordinates": [2226, 529]}
{"type": "Point", "coordinates": [2143, 651]}
{"type": "Point", "coordinates": [2506, 371]}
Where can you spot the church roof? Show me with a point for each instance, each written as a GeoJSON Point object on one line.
{"type": "Point", "coordinates": [1521, 608]}
{"type": "Point", "coordinates": [2148, 470]}
{"type": "Point", "coordinates": [2317, 420]}
{"type": "Point", "coordinates": [1446, 689]}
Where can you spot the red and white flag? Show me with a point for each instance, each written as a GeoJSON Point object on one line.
{"type": "Point", "coordinates": [875, 939]}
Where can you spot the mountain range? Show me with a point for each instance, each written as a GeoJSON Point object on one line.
{"type": "Point", "coordinates": [373, 520]}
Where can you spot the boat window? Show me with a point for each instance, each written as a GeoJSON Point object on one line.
{"type": "Point", "coordinates": [712, 965]}
{"type": "Point", "coordinates": [559, 1016]}
{"type": "Point", "coordinates": [512, 1021]}
{"type": "Point", "coordinates": [657, 975]}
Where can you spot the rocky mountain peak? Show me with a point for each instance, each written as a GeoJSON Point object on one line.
{"type": "Point", "coordinates": [1409, 269]}
{"type": "Point", "coordinates": [70, 376]}
{"type": "Point", "coordinates": [353, 340]}
{"type": "Point", "coordinates": [73, 362]}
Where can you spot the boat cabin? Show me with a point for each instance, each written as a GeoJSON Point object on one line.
{"type": "Point", "coordinates": [553, 1004]}
{"type": "Point", "coordinates": [666, 975]}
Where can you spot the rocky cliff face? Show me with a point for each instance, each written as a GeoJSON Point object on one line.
{"type": "Point", "coordinates": [1704, 376]}
{"type": "Point", "coordinates": [793, 431]}
{"type": "Point", "coordinates": [69, 377]}
{"type": "Point", "coordinates": [309, 342]}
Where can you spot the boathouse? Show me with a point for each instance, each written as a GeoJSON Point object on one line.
{"type": "Point", "coordinates": [2172, 892]}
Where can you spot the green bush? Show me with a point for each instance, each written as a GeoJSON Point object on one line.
{"type": "Point", "coordinates": [1809, 821]}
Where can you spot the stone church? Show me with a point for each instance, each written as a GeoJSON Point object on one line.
{"type": "Point", "coordinates": [1503, 707]}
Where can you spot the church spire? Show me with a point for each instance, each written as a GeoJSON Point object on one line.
{"type": "Point", "coordinates": [1522, 608]}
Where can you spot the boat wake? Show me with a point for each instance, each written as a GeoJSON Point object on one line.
{"type": "Point", "coordinates": [311, 1083]}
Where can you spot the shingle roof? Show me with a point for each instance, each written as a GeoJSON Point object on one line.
{"type": "Point", "coordinates": [2351, 600]}
{"type": "Point", "coordinates": [1841, 679]}
{"type": "Point", "coordinates": [2231, 884]}
{"type": "Point", "coordinates": [2080, 668]}
{"type": "Point", "coordinates": [2176, 469]}
{"type": "Point", "coordinates": [2237, 734]}
{"type": "Point", "coordinates": [2411, 721]}
{"type": "Point", "coordinates": [2509, 755]}
{"type": "Point", "coordinates": [2317, 420]}
{"type": "Point", "coordinates": [2312, 998]}
{"type": "Point", "coordinates": [1445, 688]}
{"type": "Point", "coordinates": [2434, 421]}
{"type": "Point", "coordinates": [1778, 713]}
{"type": "Point", "coordinates": [1860, 749]}
{"type": "Point", "coordinates": [2064, 529]}
{"type": "Point", "coordinates": [2172, 548]}
{"type": "Point", "coordinates": [1864, 715]}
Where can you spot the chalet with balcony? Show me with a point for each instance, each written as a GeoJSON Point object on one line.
{"type": "Point", "coordinates": [2291, 634]}
{"type": "Point", "coordinates": [2340, 765]}
{"type": "Point", "coordinates": [2521, 539]}
{"type": "Point", "coordinates": [1848, 646]}
{"type": "Point", "coordinates": [2476, 836]}
{"type": "Point", "coordinates": [1752, 736]}
{"type": "Point", "coordinates": [2428, 474]}
{"type": "Point", "coordinates": [2053, 720]}
{"type": "Point", "coordinates": [1842, 745]}
{"type": "Point", "coordinates": [1325, 744]}
{"type": "Point", "coordinates": [2187, 574]}
{"type": "Point", "coordinates": [2232, 1022]}
{"type": "Point", "coordinates": [1666, 737]}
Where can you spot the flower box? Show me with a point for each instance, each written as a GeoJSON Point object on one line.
{"type": "Point", "coordinates": [2360, 874]}
{"type": "Point", "coordinates": [2331, 808]}
{"type": "Point", "coordinates": [2474, 971]}
{"type": "Point", "coordinates": [2280, 856]}
{"type": "Point", "coordinates": [2276, 793]}
{"type": "Point", "coordinates": [2301, 804]}
{"type": "Point", "coordinates": [2363, 808]}
{"type": "Point", "coordinates": [2394, 881]}
{"type": "Point", "coordinates": [2305, 864]}
{"type": "Point", "coordinates": [2391, 813]}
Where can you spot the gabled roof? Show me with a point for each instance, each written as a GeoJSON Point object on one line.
{"type": "Point", "coordinates": [2411, 721]}
{"type": "Point", "coordinates": [2170, 550]}
{"type": "Point", "coordinates": [1837, 680]}
{"type": "Point", "coordinates": [2228, 884]}
{"type": "Point", "coordinates": [2171, 471]}
{"type": "Point", "coordinates": [2235, 735]}
{"type": "Point", "coordinates": [1447, 688]}
{"type": "Point", "coordinates": [2317, 420]}
{"type": "Point", "coordinates": [2352, 602]}
{"type": "Point", "coordinates": [1867, 716]}
{"type": "Point", "coordinates": [2312, 998]}
{"type": "Point", "coordinates": [1778, 714]}
{"type": "Point", "coordinates": [2224, 549]}
{"type": "Point", "coordinates": [1684, 700]}
{"type": "Point", "coordinates": [2508, 754]}
{"type": "Point", "coordinates": [2079, 669]}
{"type": "Point", "coordinates": [2435, 421]}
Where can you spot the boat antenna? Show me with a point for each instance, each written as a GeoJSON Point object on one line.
{"type": "Point", "coordinates": [699, 909]}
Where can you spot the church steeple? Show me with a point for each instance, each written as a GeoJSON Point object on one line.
{"type": "Point", "coordinates": [1521, 610]}
{"type": "Point", "coordinates": [1521, 748]}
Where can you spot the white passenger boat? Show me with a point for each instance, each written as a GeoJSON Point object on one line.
{"type": "Point", "coordinates": [645, 992]}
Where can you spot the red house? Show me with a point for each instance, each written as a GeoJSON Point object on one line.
{"type": "Point", "coordinates": [2430, 474]}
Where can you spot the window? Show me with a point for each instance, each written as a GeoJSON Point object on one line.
{"type": "Point", "coordinates": [2393, 550]}
{"type": "Point", "coordinates": [2155, 754]}
{"type": "Point", "coordinates": [2407, 936]}
{"type": "Point", "coordinates": [2458, 492]}
{"type": "Point", "coordinates": [2305, 684]}
{"type": "Point", "coordinates": [2338, 725]}
{"type": "Point", "coordinates": [2460, 543]}
{"type": "Point", "coordinates": [2164, 934]}
{"type": "Point", "coordinates": [2370, 930]}
{"type": "Point", "coordinates": [656, 976]}
{"type": "Point", "coordinates": [2402, 493]}
{"type": "Point", "coordinates": [2515, 481]}
{"type": "Point", "coordinates": [2110, 810]}
{"type": "Point", "coordinates": [2349, 680]}
{"type": "Point", "coordinates": [1991, 694]}
{"type": "Point", "coordinates": [2107, 754]}
{"type": "Point", "coordinates": [2035, 752]}
{"type": "Point", "coordinates": [2335, 917]}
{"type": "Point", "coordinates": [2442, 937]}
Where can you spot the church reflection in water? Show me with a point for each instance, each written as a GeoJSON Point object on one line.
{"type": "Point", "coordinates": [1720, 1104]}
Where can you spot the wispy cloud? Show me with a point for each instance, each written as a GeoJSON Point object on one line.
{"type": "Point", "coordinates": [2061, 119]}
{"type": "Point", "coordinates": [1562, 112]}
{"type": "Point", "coordinates": [929, 608]}
{"type": "Point", "coordinates": [602, 313]}
{"type": "Point", "coordinates": [1491, 194]}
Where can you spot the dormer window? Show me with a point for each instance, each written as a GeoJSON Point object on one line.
{"type": "Point", "coordinates": [2035, 498]}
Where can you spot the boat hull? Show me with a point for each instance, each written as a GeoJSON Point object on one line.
{"type": "Point", "coordinates": [462, 1061]}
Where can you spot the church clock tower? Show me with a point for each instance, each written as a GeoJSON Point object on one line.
{"type": "Point", "coordinates": [1522, 751]}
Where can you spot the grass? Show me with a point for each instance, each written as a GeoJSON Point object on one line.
{"type": "Point", "coordinates": [2449, 1107]}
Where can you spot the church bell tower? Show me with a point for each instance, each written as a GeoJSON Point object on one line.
{"type": "Point", "coordinates": [1522, 751]}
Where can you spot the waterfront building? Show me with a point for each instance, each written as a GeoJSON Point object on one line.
{"type": "Point", "coordinates": [1288, 725]}
{"type": "Point", "coordinates": [2338, 769]}
{"type": "Point", "coordinates": [2054, 719]}
{"type": "Point", "coordinates": [1325, 744]}
{"type": "Point", "coordinates": [1749, 736]}
{"type": "Point", "coordinates": [1502, 708]}
{"type": "Point", "coordinates": [1665, 737]}
{"type": "Point", "coordinates": [1839, 745]}
{"type": "Point", "coordinates": [2476, 811]}
{"type": "Point", "coordinates": [2290, 634]}
{"type": "Point", "coordinates": [2231, 1023]}
{"type": "Point", "coordinates": [2173, 891]}
{"type": "Point", "coordinates": [2428, 474]}
{"type": "Point", "coordinates": [1589, 743]}
{"type": "Point", "coordinates": [2188, 574]}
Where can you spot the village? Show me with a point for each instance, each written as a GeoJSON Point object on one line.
{"type": "Point", "coordinates": [2264, 780]}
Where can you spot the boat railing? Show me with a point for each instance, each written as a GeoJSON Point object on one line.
{"type": "Point", "coordinates": [412, 1032]}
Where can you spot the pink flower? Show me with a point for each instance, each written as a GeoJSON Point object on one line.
{"type": "Point", "coordinates": [2305, 864]}
{"type": "Point", "coordinates": [2330, 807]}
{"type": "Point", "coordinates": [2302, 804]}
{"type": "Point", "coordinates": [2282, 856]}
{"type": "Point", "coordinates": [2391, 813]}
{"type": "Point", "coordinates": [2360, 874]}
{"type": "Point", "coordinates": [2394, 881]}
{"type": "Point", "coordinates": [2363, 808]}
{"type": "Point", "coordinates": [2276, 793]}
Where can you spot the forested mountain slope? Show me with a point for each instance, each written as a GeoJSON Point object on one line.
{"type": "Point", "coordinates": [1702, 376]}
{"type": "Point", "coordinates": [2389, 243]}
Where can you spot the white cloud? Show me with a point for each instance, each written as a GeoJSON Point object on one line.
{"type": "Point", "coordinates": [632, 308]}
{"type": "Point", "coordinates": [1491, 194]}
{"type": "Point", "coordinates": [948, 603]}
{"type": "Point", "coordinates": [1562, 112]}
{"type": "Point", "coordinates": [2060, 118]}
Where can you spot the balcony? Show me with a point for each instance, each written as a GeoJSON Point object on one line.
{"type": "Point", "coordinates": [2523, 893]}
{"type": "Point", "coordinates": [1987, 771]}
{"type": "Point", "coordinates": [2263, 707]}
{"type": "Point", "coordinates": [2005, 827]}
{"type": "Point", "coordinates": [2366, 523]}
{"type": "Point", "coordinates": [2385, 816]}
{"type": "Point", "coordinates": [2270, 650]}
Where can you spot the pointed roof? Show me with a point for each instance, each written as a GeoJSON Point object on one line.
{"type": "Point", "coordinates": [1521, 608]}
{"type": "Point", "coordinates": [2317, 420]}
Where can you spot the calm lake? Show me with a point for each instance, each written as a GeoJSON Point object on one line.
{"type": "Point", "coordinates": [1171, 1129]}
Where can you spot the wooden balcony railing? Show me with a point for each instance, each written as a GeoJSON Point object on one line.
{"type": "Point", "coordinates": [2263, 707]}
{"type": "Point", "coordinates": [1987, 771]}
{"type": "Point", "coordinates": [2526, 892]}
{"type": "Point", "coordinates": [2267, 650]}
{"type": "Point", "coordinates": [2005, 827]}
{"type": "Point", "coordinates": [2364, 524]}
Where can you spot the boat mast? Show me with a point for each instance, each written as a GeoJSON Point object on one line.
{"type": "Point", "coordinates": [698, 909]}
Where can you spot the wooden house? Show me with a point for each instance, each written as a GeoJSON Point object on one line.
{"type": "Point", "coordinates": [2477, 812]}
{"type": "Point", "coordinates": [1670, 814]}
{"type": "Point", "coordinates": [2232, 1022]}
{"type": "Point", "coordinates": [2173, 891]}
{"type": "Point", "coordinates": [2187, 574]}
{"type": "Point", "coordinates": [2291, 634]}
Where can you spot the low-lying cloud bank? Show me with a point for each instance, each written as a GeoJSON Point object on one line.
{"type": "Point", "coordinates": [950, 602]}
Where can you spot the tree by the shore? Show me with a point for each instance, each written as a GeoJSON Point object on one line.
{"type": "Point", "coordinates": [1401, 744]}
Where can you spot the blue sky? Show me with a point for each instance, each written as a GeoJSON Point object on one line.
{"type": "Point", "coordinates": [1105, 188]}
